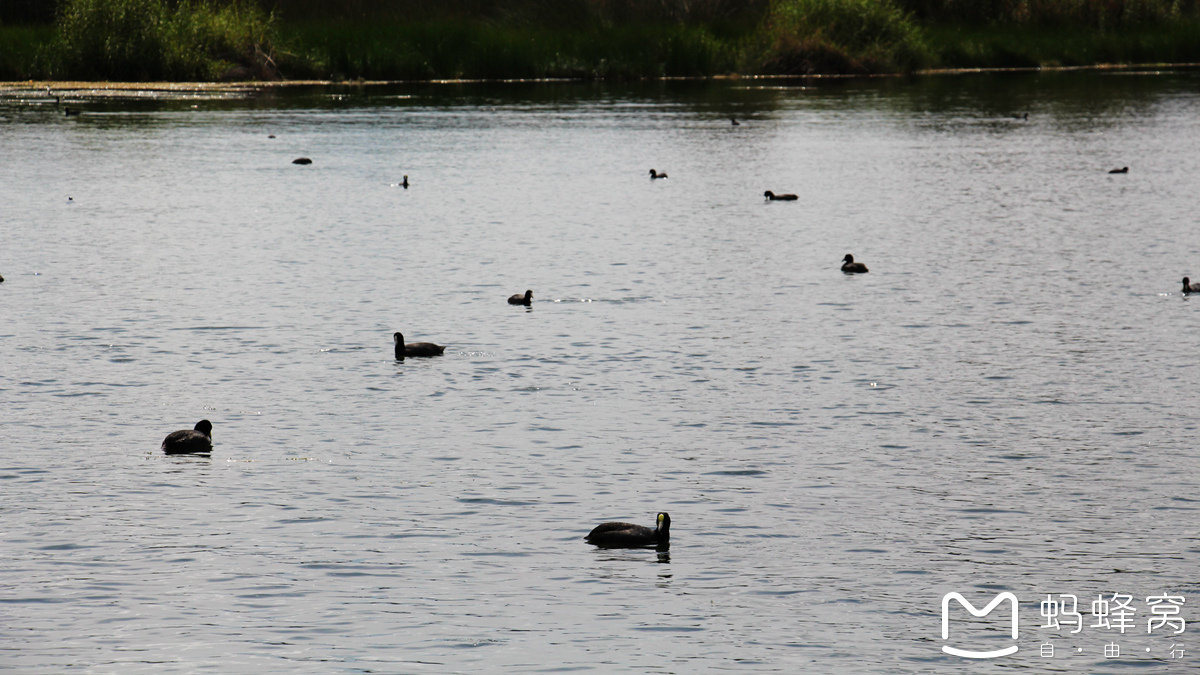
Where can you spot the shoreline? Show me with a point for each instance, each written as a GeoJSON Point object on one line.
{"type": "Point", "coordinates": [247, 88]}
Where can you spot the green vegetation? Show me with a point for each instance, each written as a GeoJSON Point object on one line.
{"type": "Point", "coordinates": [416, 39]}
{"type": "Point", "coordinates": [143, 40]}
{"type": "Point", "coordinates": [440, 50]}
{"type": "Point", "coordinates": [1025, 47]}
{"type": "Point", "coordinates": [20, 51]}
{"type": "Point", "coordinates": [1095, 15]}
{"type": "Point", "coordinates": [840, 36]}
{"type": "Point", "coordinates": [1032, 33]}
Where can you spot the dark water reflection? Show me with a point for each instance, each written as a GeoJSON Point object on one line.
{"type": "Point", "coordinates": [1001, 404]}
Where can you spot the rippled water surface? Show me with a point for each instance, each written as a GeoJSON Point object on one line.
{"type": "Point", "coordinates": [1004, 403]}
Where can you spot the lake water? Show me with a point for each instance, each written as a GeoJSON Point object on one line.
{"type": "Point", "coordinates": [1005, 402]}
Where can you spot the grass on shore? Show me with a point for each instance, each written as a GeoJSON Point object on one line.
{"type": "Point", "coordinates": [21, 48]}
{"type": "Point", "coordinates": [1025, 47]}
{"type": "Point", "coordinates": [139, 40]}
{"type": "Point", "coordinates": [474, 50]}
{"type": "Point", "coordinates": [794, 37]}
{"type": "Point", "coordinates": [150, 40]}
{"type": "Point", "coordinates": [839, 36]}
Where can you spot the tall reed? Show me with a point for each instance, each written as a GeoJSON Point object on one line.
{"type": "Point", "coordinates": [21, 49]}
{"type": "Point", "coordinates": [569, 14]}
{"type": "Point", "coordinates": [474, 49]}
{"type": "Point", "coordinates": [1090, 14]}
{"type": "Point", "coordinates": [418, 39]}
{"type": "Point", "coordinates": [1018, 46]}
{"type": "Point", "coordinates": [149, 39]}
{"type": "Point", "coordinates": [840, 36]}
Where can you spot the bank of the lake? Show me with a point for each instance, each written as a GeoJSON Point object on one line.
{"type": "Point", "coordinates": [152, 40]}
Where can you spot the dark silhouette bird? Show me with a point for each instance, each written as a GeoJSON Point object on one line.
{"type": "Point", "coordinates": [734, 122]}
{"type": "Point", "coordinates": [189, 441]}
{"type": "Point", "coordinates": [271, 136]}
{"type": "Point", "coordinates": [628, 535]}
{"type": "Point", "coordinates": [404, 183]}
{"type": "Point", "coordinates": [654, 174]}
{"type": "Point", "coordinates": [851, 267]}
{"type": "Point", "coordinates": [519, 299]}
{"type": "Point", "coordinates": [415, 348]}
{"type": "Point", "coordinates": [1121, 170]}
{"type": "Point", "coordinates": [779, 198]}
{"type": "Point", "coordinates": [1190, 287]}
{"type": "Point", "coordinates": [1, 280]}
{"type": "Point", "coordinates": [70, 112]}
{"type": "Point", "coordinates": [302, 160]}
